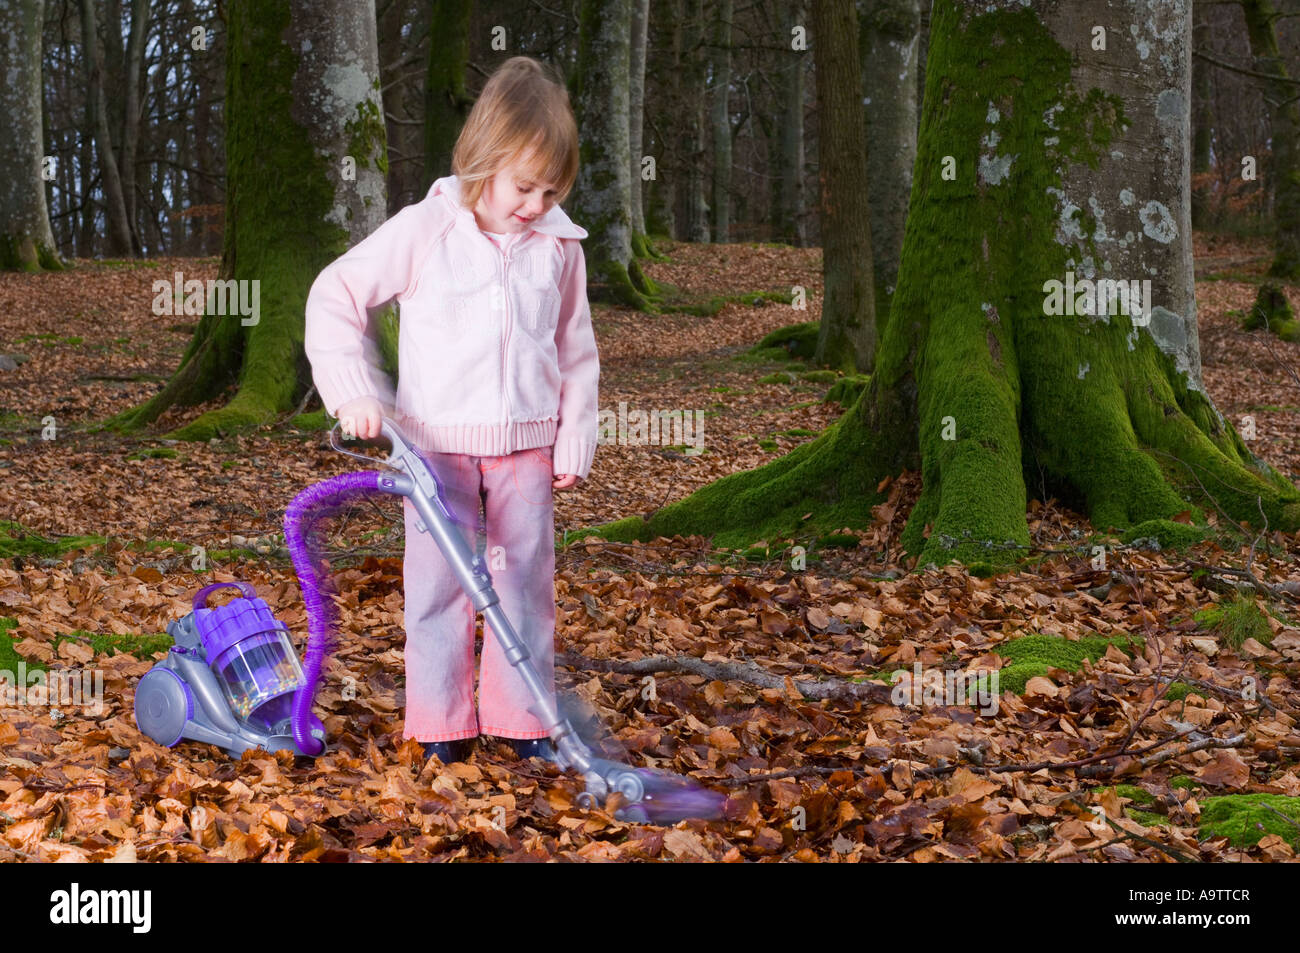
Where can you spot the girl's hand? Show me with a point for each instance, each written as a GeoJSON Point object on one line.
{"type": "Point", "coordinates": [360, 418]}
{"type": "Point", "coordinates": [565, 480]}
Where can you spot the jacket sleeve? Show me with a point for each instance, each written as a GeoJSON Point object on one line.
{"type": "Point", "coordinates": [341, 338]}
{"type": "Point", "coordinates": [575, 344]}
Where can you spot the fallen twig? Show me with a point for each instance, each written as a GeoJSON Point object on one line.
{"type": "Point", "coordinates": [748, 672]}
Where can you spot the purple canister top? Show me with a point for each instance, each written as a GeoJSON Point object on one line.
{"type": "Point", "coordinates": [224, 626]}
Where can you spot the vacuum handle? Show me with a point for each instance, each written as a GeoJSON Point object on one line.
{"type": "Point", "coordinates": [201, 597]}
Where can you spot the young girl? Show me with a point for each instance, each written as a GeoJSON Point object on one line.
{"type": "Point", "coordinates": [498, 376]}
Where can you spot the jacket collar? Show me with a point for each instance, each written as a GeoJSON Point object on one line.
{"type": "Point", "coordinates": [554, 222]}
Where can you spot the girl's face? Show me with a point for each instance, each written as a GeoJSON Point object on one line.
{"type": "Point", "coordinates": [511, 200]}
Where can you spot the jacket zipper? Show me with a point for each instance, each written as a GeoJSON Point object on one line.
{"type": "Point", "coordinates": [505, 340]}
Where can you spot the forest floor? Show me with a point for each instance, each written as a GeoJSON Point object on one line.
{"type": "Point", "coordinates": [1146, 711]}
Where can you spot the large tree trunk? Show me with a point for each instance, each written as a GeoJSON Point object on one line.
{"type": "Point", "coordinates": [601, 198]}
{"type": "Point", "coordinates": [447, 103]}
{"type": "Point", "coordinates": [1284, 116]}
{"type": "Point", "coordinates": [890, 50]}
{"type": "Point", "coordinates": [977, 383]}
{"type": "Point", "coordinates": [119, 228]}
{"type": "Point", "coordinates": [302, 105]}
{"type": "Point", "coordinates": [847, 337]}
{"type": "Point", "coordinates": [26, 240]}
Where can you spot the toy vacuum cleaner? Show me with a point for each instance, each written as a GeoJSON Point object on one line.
{"type": "Point", "coordinates": [233, 679]}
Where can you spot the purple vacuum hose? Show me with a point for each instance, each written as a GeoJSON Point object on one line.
{"type": "Point", "coordinates": [306, 509]}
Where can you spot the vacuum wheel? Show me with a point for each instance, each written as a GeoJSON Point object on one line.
{"type": "Point", "coordinates": [163, 705]}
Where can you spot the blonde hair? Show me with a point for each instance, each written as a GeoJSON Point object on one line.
{"type": "Point", "coordinates": [524, 107]}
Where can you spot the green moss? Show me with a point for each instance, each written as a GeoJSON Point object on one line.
{"type": "Point", "coordinates": [154, 453]}
{"type": "Point", "coordinates": [820, 377]}
{"type": "Point", "coordinates": [796, 432]}
{"type": "Point", "coordinates": [764, 354]}
{"type": "Point", "coordinates": [1235, 621]}
{"type": "Point", "coordinates": [1188, 783]}
{"type": "Point", "coordinates": [792, 340]}
{"type": "Point", "coordinates": [846, 390]}
{"type": "Point", "coordinates": [838, 541]}
{"type": "Point", "coordinates": [1245, 818]}
{"type": "Point", "coordinates": [1272, 312]}
{"type": "Point", "coordinates": [367, 136]}
{"type": "Point", "coordinates": [1134, 794]}
{"type": "Point", "coordinates": [1169, 534]}
{"type": "Point", "coordinates": [17, 540]}
{"type": "Point", "coordinates": [1149, 818]}
{"type": "Point", "coordinates": [9, 658]}
{"type": "Point", "coordinates": [769, 445]}
{"type": "Point", "coordinates": [777, 377]}
{"type": "Point", "coordinates": [316, 420]}
{"type": "Point", "coordinates": [143, 647]}
{"type": "Point", "coordinates": [1033, 655]}
{"type": "Point", "coordinates": [1177, 691]}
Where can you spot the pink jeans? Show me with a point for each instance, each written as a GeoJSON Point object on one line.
{"type": "Point", "coordinates": [520, 556]}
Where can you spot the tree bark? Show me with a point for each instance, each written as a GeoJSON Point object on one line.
{"type": "Point", "coordinates": [636, 113]}
{"type": "Point", "coordinates": [305, 154]}
{"type": "Point", "coordinates": [447, 103]}
{"type": "Point", "coordinates": [720, 121]}
{"type": "Point", "coordinates": [131, 116]}
{"type": "Point", "coordinates": [1202, 114]}
{"type": "Point", "coordinates": [662, 192]}
{"type": "Point", "coordinates": [890, 49]}
{"type": "Point", "coordinates": [847, 337]}
{"type": "Point", "coordinates": [788, 200]}
{"type": "Point", "coordinates": [119, 228]}
{"type": "Point", "coordinates": [26, 240]}
{"type": "Point", "coordinates": [695, 64]}
{"type": "Point", "coordinates": [1078, 164]}
{"type": "Point", "coordinates": [1284, 117]}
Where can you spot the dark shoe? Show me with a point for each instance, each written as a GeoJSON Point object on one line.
{"type": "Point", "coordinates": [530, 747]}
{"type": "Point", "coordinates": [449, 751]}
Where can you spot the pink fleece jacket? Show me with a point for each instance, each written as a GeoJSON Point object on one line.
{"type": "Point", "coordinates": [496, 351]}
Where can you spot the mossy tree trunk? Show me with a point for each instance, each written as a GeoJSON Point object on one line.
{"type": "Point", "coordinates": [977, 385]}
{"type": "Point", "coordinates": [1284, 124]}
{"type": "Point", "coordinates": [890, 41]}
{"type": "Point", "coordinates": [846, 339]}
{"type": "Point", "coordinates": [26, 241]}
{"type": "Point", "coordinates": [602, 196]}
{"type": "Point", "coordinates": [306, 160]}
{"type": "Point", "coordinates": [447, 103]}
